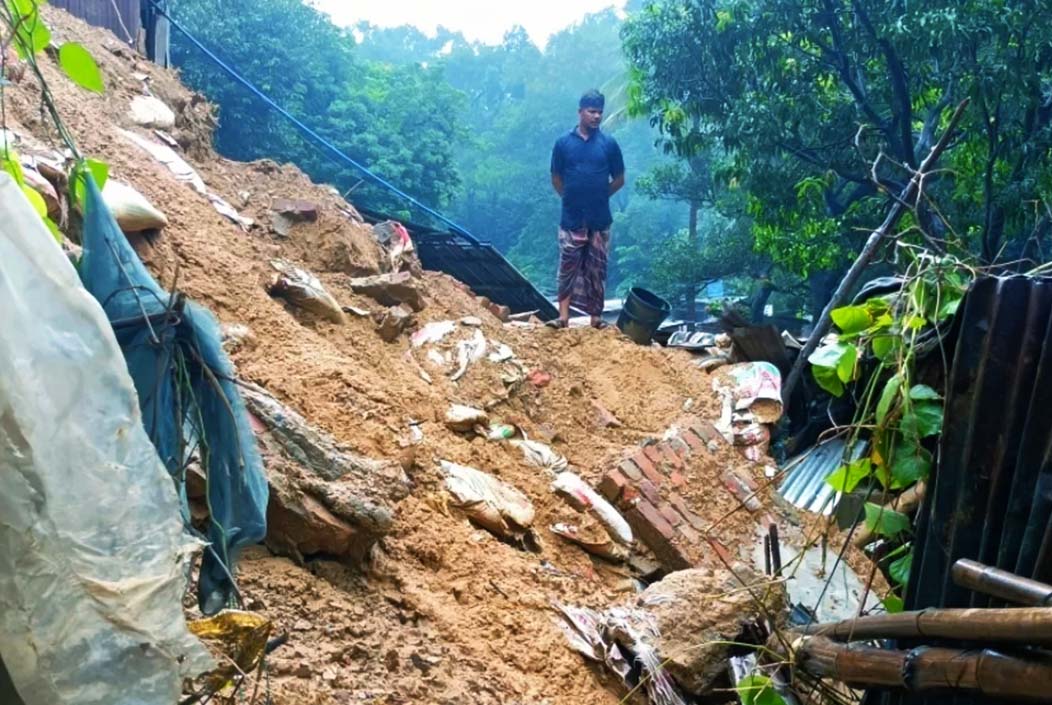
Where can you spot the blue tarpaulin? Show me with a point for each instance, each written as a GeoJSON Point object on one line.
{"type": "Point", "coordinates": [190, 405]}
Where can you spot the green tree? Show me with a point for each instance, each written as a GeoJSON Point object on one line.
{"type": "Point", "coordinates": [812, 99]}
{"type": "Point", "coordinates": [400, 121]}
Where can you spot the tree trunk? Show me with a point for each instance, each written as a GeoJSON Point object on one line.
{"type": "Point", "coordinates": [761, 296]}
{"type": "Point", "coordinates": [692, 285]}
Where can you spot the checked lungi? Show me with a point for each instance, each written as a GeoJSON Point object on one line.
{"type": "Point", "coordinates": [582, 268]}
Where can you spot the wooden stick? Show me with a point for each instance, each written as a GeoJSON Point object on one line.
{"type": "Point", "coordinates": [1001, 584]}
{"type": "Point", "coordinates": [906, 503]}
{"type": "Point", "coordinates": [876, 238]}
{"type": "Point", "coordinates": [924, 668]}
{"type": "Point", "coordinates": [1031, 626]}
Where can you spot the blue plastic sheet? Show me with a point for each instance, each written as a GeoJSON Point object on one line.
{"type": "Point", "coordinates": [189, 402]}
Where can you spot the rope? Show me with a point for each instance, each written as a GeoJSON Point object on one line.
{"type": "Point", "coordinates": [325, 145]}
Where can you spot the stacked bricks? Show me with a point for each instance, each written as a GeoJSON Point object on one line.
{"type": "Point", "coordinates": [645, 486]}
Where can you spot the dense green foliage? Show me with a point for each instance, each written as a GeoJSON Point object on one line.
{"type": "Point", "coordinates": [400, 120]}
{"type": "Point", "coordinates": [803, 95]}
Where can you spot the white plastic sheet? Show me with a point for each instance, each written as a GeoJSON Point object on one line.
{"type": "Point", "coordinates": [92, 549]}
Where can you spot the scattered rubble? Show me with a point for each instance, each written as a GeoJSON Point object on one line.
{"type": "Point", "coordinates": [390, 289]}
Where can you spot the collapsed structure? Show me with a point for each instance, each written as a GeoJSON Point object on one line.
{"type": "Point", "coordinates": [462, 506]}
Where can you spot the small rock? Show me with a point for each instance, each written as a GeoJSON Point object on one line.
{"type": "Point", "coordinates": [539, 378]}
{"type": "Point", "coordinates": [473, 321]}
{"type": "Point", "coordinates": [302, 625]}
{"type": "Point", "coordinates": [303, 671]}
{"type": "Point", "coordinates": [465, 418]}
{"type": "Point", "coordinates": [503, 313]}
{"type": "Point", "coordinates": [394, 322]}
{"type": "Point", "coordinates": [296, 210]}
{"type": "Point", "coordinates": [391, 660]}
{"type": "Point", "coordinates": [236, 336]}
{"type": "Point", "coordinates": [605, 419]}
{"type": "Point", "coordinates": [390, 289]}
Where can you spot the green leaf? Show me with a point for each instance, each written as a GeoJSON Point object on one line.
{"type": "Point", "coordinates": [99, 170]}
{"type": "Point", "coordinates": [887, 397]}
{"type": "Point", "coordinates": [32, 35]}
{"type": "Point", "coordinates": [9, 162]}
{"type": "Point", "coordinates": [884, 345]}
{"type": "Point", "coordinates": [35, 200]}
{"type": "Point", "coordinates": [885, 522]}
{"type": "Point", "coordinates": [828, 380]}
{"type": "Point", "coordinates": [949, 307]}
{"type": "Point", "coordinates": [846, 477]}
{"type": "Point", "coordinates": [894, 604]}
{"type": "Point", "coordinates": [845, 369]}
{"type": "Point", "coordinates": [758, 690]}
{"type": "Point", "coordinates": [910, 464]}
{"type": "Point", "coordinates": [55, 232]}
{"type": "Point", "coordinates": [899, 570]}
{"type": "Point", "coordinates": [80, 66]}
{"type": "Point", "coordinates": [852, 319]}
{"type": "Point", "coordinates": [922, 392]}
{"type": "Point", "coordinates": [923, 420]}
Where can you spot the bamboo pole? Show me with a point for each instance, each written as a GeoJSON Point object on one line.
{"type": "Point", "coordinates": [904, 202]}
{"type": "Point", "coordinates": [925, 668]}
{"type": "Point", "coordinates": [1031, 626]}
{"type": "Point", "coordinates": [1001, 584]}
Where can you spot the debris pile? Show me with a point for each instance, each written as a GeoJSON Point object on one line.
{"type": "Point", "coordinates": [440, 474]}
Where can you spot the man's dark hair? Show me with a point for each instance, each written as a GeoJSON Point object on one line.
{"type": "Point", "coordinates": [592, 99]}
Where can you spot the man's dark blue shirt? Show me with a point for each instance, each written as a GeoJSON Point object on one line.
{"type": "Point", "coordinates": [586, 167]}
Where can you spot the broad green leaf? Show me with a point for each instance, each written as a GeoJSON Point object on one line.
{"type": "Point", "coordinates": [845, 369]}
{"type": "Point", "coordinates": [922, 392]}
{"type": "Point", "coordinates": [949, 307]}
{"type": "Point", "coordinates": [852, 319]}
{"type": "Point", "coordinates": [885, 522]}
{"type": "Point", "coordinates": [910, 464]}
{"type": "Point", "coordinates": [9, 162]}
{"type": "Point", "coordinates": [35, 200]}
{"type": "Point", "coordinates": [894, 604]}
{"type": "Point", "coordinates": [923, 420]}
{"type": "Point", "coordinates": [846, 477]}
{"type": "Point", "coordinates": [99, 170]}
{"type": "Point", "coordinates": [828, 380]}
{"type": "Point", "coordinates": [887, 397]}
{"type": "Point", "coordinates": [32, 35]}
{"type": "Point", "coordinates": [884, 345]}
{"type": "Point", "coordinates": [877, 306]}
{"type": "Point", "coordinates": [758, 690]}
{"type": "Point", "coordinates": [828, 355]}
{"type": "Point", "coordinates": [899, 570]}
{"type": "Point", "coordinates": [80, 66]}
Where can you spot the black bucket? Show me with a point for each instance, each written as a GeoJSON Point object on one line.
{"type": "Point", "coordinates": [641, 315]}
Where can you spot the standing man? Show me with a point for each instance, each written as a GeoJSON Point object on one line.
{"type": "Point", "coordinates": [587, 169]}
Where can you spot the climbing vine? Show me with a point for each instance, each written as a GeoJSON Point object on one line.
{"type": "Point", "coordinates": [24, 31]}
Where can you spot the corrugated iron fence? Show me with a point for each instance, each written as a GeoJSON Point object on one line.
{"type": "Point", "coordinates": [122, 17]}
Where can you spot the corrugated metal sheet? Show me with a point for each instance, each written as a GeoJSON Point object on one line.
{"type": "Point", "coordinates": [478, 264]}
{"type": "Point", "coordinates": [122, 17]}
{"type": "Point", "coordinates": [990, 497]}
{"type": "Point", "coordinates": [805, 485]}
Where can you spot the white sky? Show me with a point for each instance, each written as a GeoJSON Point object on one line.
{"type": "Point", "coordinates": [482, 20]}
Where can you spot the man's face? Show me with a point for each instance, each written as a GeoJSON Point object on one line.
{"type": "Point", "coordinates": [591, 117]}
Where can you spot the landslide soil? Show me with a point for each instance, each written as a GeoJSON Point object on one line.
{"type": "Point", "coordinates": [444, 612]}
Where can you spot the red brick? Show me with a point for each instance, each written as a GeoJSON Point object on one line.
{"type": "Point", "coordinates": [706, 431]}
{"type": "Point", "coordinates": [642, 461]}
{"type": "Point", "coordinates": [654, 455]}
{"type": "Point", "coordinates": [658, 535]}
{"type": "Point", "coordinates": [671, 459]}
{"type": "Point", "coordinates": [721, 551]}
{"type": "Point", "coordinates": [693, 440]}
{"type": "Point", "coordinates": [739, 487]}
{"type": "Point", "coordinates": [677, 479]}
{"type": "Point", "coordinates": [612, 485]}
{"type": "Point", "coordinates": [650, 491]}
{"type": "Point", "coordinates": [671, 515]}
{"type": "Point", "coordinates": [683, 508]}
{"type": "Point", "coordinates": [654, 520]}
{"type": "Point", "coordinates": [689, 534]}
{"type": "Point", "coordinates": [680, 447]}
{"type": "Point", "coordinates": [630, 470]}
{"type": "Point", "coordinates": [650, 473]}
